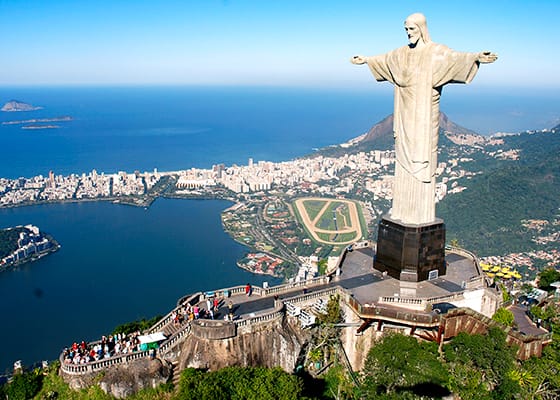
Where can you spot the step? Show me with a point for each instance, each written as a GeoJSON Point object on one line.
{"type": "Point", "coordinates": [176, 374]}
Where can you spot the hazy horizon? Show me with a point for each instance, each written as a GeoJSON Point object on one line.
{"type": "Point", "coordinates": [241, 42]}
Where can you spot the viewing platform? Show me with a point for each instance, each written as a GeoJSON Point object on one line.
{"type": "Point", "coordinates": [434, 310]}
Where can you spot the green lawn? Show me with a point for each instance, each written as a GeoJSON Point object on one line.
{"type": "Point", "coordinates": [340, 238]}
{"type": "Point", "coordinates": [312, 207]}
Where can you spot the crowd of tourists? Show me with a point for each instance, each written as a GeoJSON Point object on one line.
{"type": "Point", "coordinates": [107, 347]}
{"type": "Point", "coordinates": [114, 345]}
{"type": "Point", "coordinates": [189, 312]}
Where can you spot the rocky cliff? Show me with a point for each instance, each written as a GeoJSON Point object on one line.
{"type": "Point", "coordinates": [271, 344]}
{"type": "Point", "coordinates": [123, 380]}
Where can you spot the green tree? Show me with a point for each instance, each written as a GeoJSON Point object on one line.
{"type": "Point", "coordinates": [526, 288]}
{"type": "Point", "coordinates": [239, 383]}
{"type": "Point", "coordinates": [480, 366]}
{"type": "Point", "coordinates": [322, 266]}
{"type": "Point", "coordinates": [540, 377]}
{"type": "Point", "coordinates": [23, 386]}
{"type": "Point", "coordinates": [454, 243]}
{"type": "Point", "coordinates": [339, 385]}
{"type": "Point", "coordinates": [333, 314]}
{"type": "Point", "coordinates": [136, 326]}
{"type": "Point", "coordinates": [401, 364]}
{"type": "Point", "coordinates": [504, 317]}
{"type": "Point", "coordinates": [547, 277]}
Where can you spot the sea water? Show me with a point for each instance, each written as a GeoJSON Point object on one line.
{"type": "Point", "coordinates": [172, 128]}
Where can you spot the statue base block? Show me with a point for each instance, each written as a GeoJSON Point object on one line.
{"type": "Point", "coordinates": [411, 253]}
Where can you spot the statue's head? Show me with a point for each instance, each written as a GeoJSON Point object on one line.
{"type": "Point", "coordinates": [416, 28]}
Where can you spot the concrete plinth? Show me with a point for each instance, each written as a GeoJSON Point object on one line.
{"type": "Point", "coordinates": [411, 253]}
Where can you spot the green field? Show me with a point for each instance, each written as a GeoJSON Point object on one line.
{"type": "Point", "coordinates": [338, 238]}
{"type": "Point", "coordinates": [338, 209]}
{"type": "Point", "coordinates": [312, 207]}
{"type": "Point", "coordinates": [347, 237]}
{"type": "Point", "coordinates": [344, 216]}
{"type": "Point", "coordinates": [326, 237]}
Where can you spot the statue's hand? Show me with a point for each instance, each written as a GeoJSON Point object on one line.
{"type": "Point", "coordinates": [487, 57]}
{"type": "Point", "coordinates": [358, 60]}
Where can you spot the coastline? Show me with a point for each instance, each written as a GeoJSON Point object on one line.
{"type": "Point", "coordinates": [243, 267]}
{"type": "Point", "coordinates": [113, 199]}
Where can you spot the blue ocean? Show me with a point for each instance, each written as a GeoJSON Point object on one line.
{"type": "Point", "coordinates": [119, 263]}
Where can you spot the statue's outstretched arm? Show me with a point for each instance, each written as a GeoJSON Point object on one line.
{"type": "Point", "coordinates": [487, 57]}
{"type": "Point", "coordinates": [358, 60]}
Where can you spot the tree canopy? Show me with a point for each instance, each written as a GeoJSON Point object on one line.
{"type": "Point", "coordinates": [401, 364]}
{"type": "Point", "coordinates": [234, 383]}
{"type": "Point", "coordinates": [547, 277]}
{"type": "Point", "coordinates": [480, 366]}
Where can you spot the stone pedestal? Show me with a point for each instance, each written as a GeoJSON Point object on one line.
{"type": "Point", "coordinates": [411, 253]}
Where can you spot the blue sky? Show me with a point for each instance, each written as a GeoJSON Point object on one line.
{"type": "Point", "coordinates": [240, 42]}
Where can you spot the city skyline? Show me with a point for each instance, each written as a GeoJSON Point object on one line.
{"type": "Point", "coordinates": [241, 42]}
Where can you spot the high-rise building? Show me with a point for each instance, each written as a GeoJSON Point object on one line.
{"type": "Point", "coordinates": [51, 179]}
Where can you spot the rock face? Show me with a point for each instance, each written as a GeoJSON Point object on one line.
{"type": "Point", "coordinates": [15, 105]}
{"type": "Point", "coordinates": [123, 381]}
{"type": "Point", "coordinates": [126, 379]}
{"type": "Point", "coordinates": [273, 344]}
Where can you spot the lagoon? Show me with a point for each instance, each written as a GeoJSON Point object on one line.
{"type": "Point", "coordinates": [117, 264]}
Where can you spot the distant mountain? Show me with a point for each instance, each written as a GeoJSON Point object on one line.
{"type": "Point", "coordinates": [16, 105]}
{"type": "Point", "coordinates": [380, 137]}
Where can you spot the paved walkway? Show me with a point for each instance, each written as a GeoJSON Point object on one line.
{"type": "Point", "coordinates": [524, 323]}
{"type": "Point", "coordinates": [364, 282]}
{"type": "Point", "coordinates": [244, 305]}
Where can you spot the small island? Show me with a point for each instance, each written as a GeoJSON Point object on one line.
{"type": "Point", "coordinates": [39, 123]}
{"type": "Point", "coordinates": [16, 105]}
{"type": "Point", "coordinates": [32, 127]}
{"type": "Point", "coordinates": [37, 120]}
{"type": "Point", "coordinates": [22, 244]}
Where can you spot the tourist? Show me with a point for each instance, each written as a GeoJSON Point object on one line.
{"type": "Point", "coordinates": [216, 304]}
{"type": "Point", "coordinates": [248, 290]}
{"type": "Point", "coordinates": [230, 309]}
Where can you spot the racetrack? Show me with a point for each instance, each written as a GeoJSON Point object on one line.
{"type": "Point", "coordinates": [312, 225]}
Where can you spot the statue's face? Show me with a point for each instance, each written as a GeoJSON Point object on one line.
{"type": "Point", "coordinates": [413, 32]}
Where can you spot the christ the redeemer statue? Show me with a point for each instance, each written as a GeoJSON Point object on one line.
{"type": "Point", "coordinates": [418, 72]}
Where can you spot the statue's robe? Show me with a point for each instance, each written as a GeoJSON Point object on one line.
{"type": "Point", "coordinates": [418, 75]}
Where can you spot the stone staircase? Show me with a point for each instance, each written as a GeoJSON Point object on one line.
{"type": "Point", "coordinates": [172, 328]}
{"type": "Point", "coordinates": [176, 374]}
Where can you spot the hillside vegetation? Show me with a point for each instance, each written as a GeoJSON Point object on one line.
{"type": "Point", "coordinates": [487, 216]}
